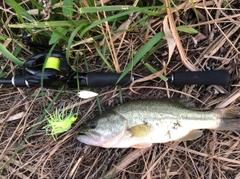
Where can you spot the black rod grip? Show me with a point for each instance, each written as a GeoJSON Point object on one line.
{"type": "Point", "coordinates": [101, 79]}
{"type": "Point", "coordinates": [218, 77]}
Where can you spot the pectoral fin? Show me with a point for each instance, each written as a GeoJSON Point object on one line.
{"type": "Point", "coordinates": [142, 145]}
{"type": "Point", "coordinates": [192, 135]}
{"type": "Point", "coordinates": [141, 130]}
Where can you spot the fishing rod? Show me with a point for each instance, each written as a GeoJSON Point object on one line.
{"type": "Point", "coordinates": [53, 71]}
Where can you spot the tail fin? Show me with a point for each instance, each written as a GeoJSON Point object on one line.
{"type": "Point", "coordinates": [230, 118]}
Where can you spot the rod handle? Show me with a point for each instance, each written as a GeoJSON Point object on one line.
{"type": "Point", "coordinates": [218, 77]}
{"type": "Point", "coordinates": [101, 79]}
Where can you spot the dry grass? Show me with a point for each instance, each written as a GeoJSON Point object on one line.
{"type": "Point", "coordinates": [214, 155]}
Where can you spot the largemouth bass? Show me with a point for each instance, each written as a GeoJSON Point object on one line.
{"type": "Point", "coordinates": [141, 123]}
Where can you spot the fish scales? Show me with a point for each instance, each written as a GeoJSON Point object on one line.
{"type": "Point", "coordinates": [166, 113]}
{"type": "Point", "coordinates": [140, 123]}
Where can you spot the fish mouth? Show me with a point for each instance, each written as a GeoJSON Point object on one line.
{"type": "Point", "coordinates": [86, 134]}
{"type": "Point", "coordinates": [87, 138]}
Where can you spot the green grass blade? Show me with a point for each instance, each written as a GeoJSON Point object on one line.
{"type": "Point", "coordinates": [141, 52]}
{"type": "Point", "coordinates": [3, 74]}
{"type": "Point", "coordinates": [104, 59]}
{"type": "Point", "coordinates": [154, 49]}
{"type": "Point", "coordinates": [119, 8]}
{"type": "Point", "coordinates": [16, 7]}
{"type": "Point", "coordinates": [47, 24]}
{"type": "Point", "coordinates": [186, 29]}
{"type": "Point", "coordinates": [195, 10]}
{"type": "Point", "coordinates": [106, 9]}
{"type": "Point", "coordinates": [153, 70]}
{"type": "Point", "coordinates": [73, 34]}
{"type": "Point", "coordinates": [114, 17]}
{"type": "Point", "coordinates": [120, 94]}
{"type": "Point", "coordinates": [10, 56]}
{"type": "Point", "coordinates": [19, 11]}
{"type": "Point", "coordinates": [58, 34]}
{"type": "Point", "coordinates": [67, 8]}
{"type": "Point", "coordinates": [3, 38]}
{"type": "Point", "coordinates": [98, 102]}
{"type": "Point", "coordinates": [111, 18]}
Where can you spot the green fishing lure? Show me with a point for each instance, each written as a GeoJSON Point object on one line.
{"type": "Point", "coordinates": [59, 122]}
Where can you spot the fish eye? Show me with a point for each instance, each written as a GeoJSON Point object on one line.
{"type": "Point", "coordinates": [93, 125]}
